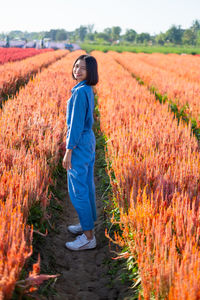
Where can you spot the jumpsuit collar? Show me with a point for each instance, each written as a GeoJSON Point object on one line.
{"type": "Point", "coordinates": [78, 84]}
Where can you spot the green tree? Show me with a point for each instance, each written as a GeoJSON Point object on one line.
{"type": "Point", "coordinates": [143, 37]}
{"type": "Point", "coordinates": [160, 38]}
{"type": "Point", "coordinates": [2, 36]}
{"type": "Point", "coordinates": [108, 32]}
{"type": "Point", "coordinates": [90, 28]}
{"type": "Point", "coordinates": [7, 41]}
{"type": "Point", "coordinates": [189, 37]}
{"type": "Point", "coordinates": [195, 26]}
{"type": "Point", "coordinates": [15, 34]}
{"type": "Point", "coordinates": [51, 34]}
{"type": "Point", "coordinates": [174, 34]}
{"type": "Point", "coordinates": [103, 35]}
{"type": "Point", "coordinates": [198, 38]}
{"type": "Point", "coordinates": [115, 34]}
{"type": "Point", "coordinates": [71, 35]}
{"type": "Point", "coordinates": [61, 35]}
{"type": "Point", "coordinates": [81, 32]}
{"type": "Point", "coordinates": [90, 36]}
{"type": "Point", "coordinates": [90, 32]}
{"type": "Point", "coordinates": [130, 35]}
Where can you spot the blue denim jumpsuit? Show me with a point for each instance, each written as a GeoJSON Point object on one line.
{"type": "Point", "coordinates": [81, 138]}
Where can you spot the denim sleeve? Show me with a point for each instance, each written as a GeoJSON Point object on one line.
{"type": "Point", "coordinates": [78, 115]}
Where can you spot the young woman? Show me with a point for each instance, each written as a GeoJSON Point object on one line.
{"type": "Point", "coordinates": [80, 152]}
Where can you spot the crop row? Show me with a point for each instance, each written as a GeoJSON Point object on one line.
{"type": "Point", "coordinates": [32, 134]}
{"type": "Point", "coordinates": [13, 54]}
{"type": "Point", "coordinates": [184, 66]}
{"type": "Point", "coordinates": [15, 74]}
{"type": "Point", "coordinates": [156, 183]}
{"type": "Point", "coordinates": [183, 92]}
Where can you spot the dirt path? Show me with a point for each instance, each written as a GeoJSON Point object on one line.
{"type": "Point", "coordinates": [83, 274]}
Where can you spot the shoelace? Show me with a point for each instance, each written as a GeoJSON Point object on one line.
{"type": "Point", "coordinates": [82, 236]}
{"type": "Point", "coordinates": [79, 237]}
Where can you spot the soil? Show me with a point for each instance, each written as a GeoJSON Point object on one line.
{"type": "Point", "coordinates": [84, 275]}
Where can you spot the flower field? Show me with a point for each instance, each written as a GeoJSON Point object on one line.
{"type": "Point", "coordinates": [13, 54]}
{"type": "Point", "coordinates": [156, 185]}
{"type": "Point", "coordinates": [153, 162]}
{"type": "Point", "coordinates": [177, 77]}
{"type": "Point", "coordinates": [15, 74]}
{"type": "Point", "coordinates": [32, 132]}
{"type": "Point", "coordinates": [185, 66]}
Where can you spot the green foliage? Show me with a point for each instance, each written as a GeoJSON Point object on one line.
{"type": "Point", "coordinates": [140, 81]}
{"type": "Point", "coordinates": [189, 37]}
{"type": "Point", "coordinates": [81, 32]}
{"type": "Point", "coordinates": [160, 39]}
{"type": "Point", "coordinates": [103, 186]}
{"type": "Point", "coordinates": [198, 38]}
{"type": "Point", "coordinates": [102, 36]}
{"type": "Point", "coordinates": [36, 218]}
{"type": "Point", "coordinates": [61, 35]}
{"type": "Point", "coordinates": [130, 35]}
{"type": "Point", "coordinates": [89, 37]}
{"type": "Point", "coordinates": [143, 37]}
{"type": "Point", "coordinates": [195, 25]}
{"type": "Point", "coordinates": [174, 34]}
{"type": "Point", "coordinates": [140, 48]}
{"type": "Point", "coordinates": [115, 33]}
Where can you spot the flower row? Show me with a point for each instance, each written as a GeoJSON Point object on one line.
{"type": "Point", "coordinates": [184, 66]}
{"type": "Point", "coordinates": [156, 166]}
{"type": "Point", "coordinates": [178, 89]}
{"type": "Point", "coordinates": [15, 74]}
{"type": "Point", "coordinates": [32, 135]}
{"type": "Point", "coordinates": [13, 54]}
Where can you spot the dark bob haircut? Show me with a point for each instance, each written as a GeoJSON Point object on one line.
{"type": "Point", "coordinates": [91, 68]}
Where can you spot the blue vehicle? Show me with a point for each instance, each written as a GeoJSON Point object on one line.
{"type": "Point", "coordinates": [69, 47]}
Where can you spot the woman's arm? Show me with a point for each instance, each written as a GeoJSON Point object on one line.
{"type": "Point", "coordinates": [67, 159]}
{"type": "Point", "coordinates": [76, 126]}
{"type": "Point", "coordinates": [78, 115]}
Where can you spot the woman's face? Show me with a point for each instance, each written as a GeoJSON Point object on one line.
{"type": "Point", "coordinates": [79, 70]}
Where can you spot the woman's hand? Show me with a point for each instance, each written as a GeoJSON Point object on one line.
{"type": "Point", "coordinates": [67, 159]}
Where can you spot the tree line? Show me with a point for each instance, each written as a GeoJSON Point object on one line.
{"type": "Point", "coordinates": [174, 35]}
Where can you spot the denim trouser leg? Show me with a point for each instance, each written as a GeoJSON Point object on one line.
{"type": "Point", "coordinates": [91, 186]}
{"type": "Point", "coordinates": [81, 185]}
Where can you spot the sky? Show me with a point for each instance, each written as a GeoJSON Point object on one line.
{"type": "Point", "coordinates": [152, 16]}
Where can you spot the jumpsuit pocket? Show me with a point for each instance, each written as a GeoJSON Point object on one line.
{"type": "Point", "coordinates": [84, 153]}
{"type": "Point", "coordinates": [88, 141]}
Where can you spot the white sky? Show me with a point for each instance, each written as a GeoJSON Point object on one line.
{"type": "Point", "coordinates": [152, 16]}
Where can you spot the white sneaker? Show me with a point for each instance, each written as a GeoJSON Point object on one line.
{"type": "Point", "coordinates": [75, 229]}
{"type": "Point", "coordinates": [81, 243]}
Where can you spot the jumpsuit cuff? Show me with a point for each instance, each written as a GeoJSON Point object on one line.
{"type": "Point", "coordinates": [70, 147]}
